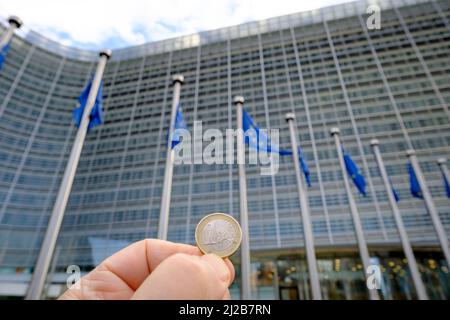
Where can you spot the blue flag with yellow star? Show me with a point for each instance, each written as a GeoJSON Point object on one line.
{"type": "Point", "coordinates": [353, 172]}
{"type": "Point", "coordinates": [260, 141]}
{"type": "Point", "coordinates": [446, 185]}
{"type": "Point", "coordinates": [3, 53]}
{"type": "Point", "coordinates": [180, 123]}
{"type": "Point", "coordinates": [96, 116]}
{"type": "Point", "coordinates": [416, 191]}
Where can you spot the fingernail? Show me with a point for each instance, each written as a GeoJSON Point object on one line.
{"type": "Point", "coordinates": [217, 263]}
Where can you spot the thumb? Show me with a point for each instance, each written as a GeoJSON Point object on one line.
{"type": "Point", "coordinates": [187, 277]}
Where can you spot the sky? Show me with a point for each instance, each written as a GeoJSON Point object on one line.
{"type": "Point", "coordinates": [98, 24]}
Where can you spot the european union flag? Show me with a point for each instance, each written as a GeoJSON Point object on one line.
{"type": "Point", "coordinates": [304, 167]}
{"type": "Point", "coordinates": [395, 193]}
{"type": "Point", "coordinates": [446, 184]}
{"type": "Point", "coordinates": [3, 52]}
{"type": "Point", "coordinates": [260, 142]}
{"type": "Point", "coordinates": [257, 139]}
{"type": "Point", "coordinates": [96, 116]}
{"type": "Point", "coordinates": [353, 172]}
{"type": "Point", "coordinates": [179, 124]}
{"type": "Point", "coordinates": [414, 183]}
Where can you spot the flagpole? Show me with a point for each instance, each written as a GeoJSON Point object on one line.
{"type": "Point", "coordinates": [305, 212]}
{"type": "Point", "coordinates": [442, 162]}
{"type": "Point", "coordinates": [14, 23]}
{"type": "Point", "coordinates": [246, 293]}
{"type": "Point", "coordinates": [407, 249]}
{"type": "Point", "coordinates": [362, 245]}
{"type": "Point", "coordinates": [430, 205]}
{"type": "Point", "coordinates": [51, 235]}
{"type": "Point", "coordinates": [163, 226]}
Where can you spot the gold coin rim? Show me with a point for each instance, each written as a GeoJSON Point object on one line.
{"type": "Point", "coordinates": [221, 214]}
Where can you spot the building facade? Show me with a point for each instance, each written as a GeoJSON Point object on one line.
{"type": "Point", "coordinates": [391, 83]}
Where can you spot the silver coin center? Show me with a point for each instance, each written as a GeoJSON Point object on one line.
{"type": "Point", "coordinates": [218, 235]}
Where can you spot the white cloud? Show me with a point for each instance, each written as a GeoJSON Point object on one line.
{"type": "Point", "coordinates": [98, 23]}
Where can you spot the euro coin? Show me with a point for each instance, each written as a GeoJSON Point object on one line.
{"type": "Point", "coordinates": [218, 233]}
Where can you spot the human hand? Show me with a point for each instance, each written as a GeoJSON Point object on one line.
{"type": "Point", "coordinates": [156, 269]}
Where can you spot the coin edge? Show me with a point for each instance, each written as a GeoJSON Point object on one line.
{"type": "Point", "coordinates": [224, 214]}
